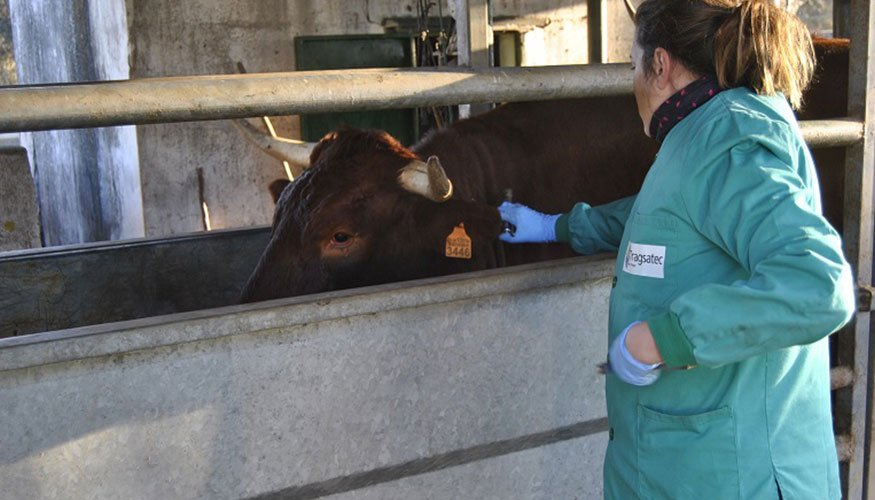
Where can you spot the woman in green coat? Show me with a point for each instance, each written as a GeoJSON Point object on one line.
{"type": "Point", "coordinates": [728, 278]}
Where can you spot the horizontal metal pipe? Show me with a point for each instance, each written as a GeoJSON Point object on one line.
{"type": "Point", "coordinates": [831, 133]}
{"type": "Point", "coordinates": [840, 377]}
{"type": "Point", "coordinates": [154, 100]}
{"type": "Point", "coordinates": [817, 134]}
{"type": "Point", "coordinates": [844, 447]}
{"type": "Point", "coordinates": [158, 100]}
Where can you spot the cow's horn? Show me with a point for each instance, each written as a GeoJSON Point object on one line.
{"type": "Point", "coordinates": [630, 9]}
{"type": "Point", "coordinates": [294, 152]}
{"type": "Point", "coordinates": [426, 179]}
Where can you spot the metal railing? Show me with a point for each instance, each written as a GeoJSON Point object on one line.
{"type": "Point", "coordinates": [155, 100]}
{"type": "Point", "coordinates": [158, 100]}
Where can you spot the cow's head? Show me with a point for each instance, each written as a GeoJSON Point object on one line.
{"type": "Point", "coordinates": [367, 211]}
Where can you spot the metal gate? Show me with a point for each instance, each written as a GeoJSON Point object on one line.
{"type": "Point", "coordinates": [229, 96]}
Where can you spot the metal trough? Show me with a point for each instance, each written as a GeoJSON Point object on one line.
{"type": "Point", "coordinates": [468, 386]}
{"type": "Point", "coordinates": [78, 285]}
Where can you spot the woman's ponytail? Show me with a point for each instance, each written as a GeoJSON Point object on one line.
{"type": "Point", "coordinates": [749, 43]}
{"type": "Point", "coordinates": [764, 47]}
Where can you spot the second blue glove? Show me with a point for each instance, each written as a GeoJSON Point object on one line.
{"type": "Point", "coordinates": [530, 226]}
{"type": "Point", "coordinates": [624, 365]}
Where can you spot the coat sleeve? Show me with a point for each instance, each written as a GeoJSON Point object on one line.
{"type": "Point", "coordinates": [591, 230]}
{"type": "Point", "coordinates": [758, 210]}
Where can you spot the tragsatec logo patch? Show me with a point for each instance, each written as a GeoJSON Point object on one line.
{"type": "Point", "coordinates": [645, 260]}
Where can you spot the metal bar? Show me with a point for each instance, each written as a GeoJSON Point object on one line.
{"type": "Point", "coordinates": [475, 47]}
{"type": "Point", "coordinates": [840, 377]}
{"type": "Point", "coordinates": [595, 25]}
{"type": "Point", "coordinates": [844, 448]}
{"type": "Point", "coordinates": [235, 96]}
{"type": "Point", "coordinates": [157, 100]}
{"type": "Point", "coordinates": [864, 298]}
{"type": "Point", "coordinates": [841, 13]}
{"type": "Point", "coordinates": [817, 134]}
{"type": "Point", "coordinates": [831, 133]}
{"type": "Point", "coordinates": [858, 237]}
{"type": "Point", "coordinates": [479, 34]}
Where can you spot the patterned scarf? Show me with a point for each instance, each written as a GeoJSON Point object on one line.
{"type": "Point", "coordinates": [681, 104]}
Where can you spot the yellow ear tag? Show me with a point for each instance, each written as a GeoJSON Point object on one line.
{"type": "Point", "coordinates": [459, 243]}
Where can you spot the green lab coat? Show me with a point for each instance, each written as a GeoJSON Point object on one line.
{"type": "Point", "coordinates": [726, 254]}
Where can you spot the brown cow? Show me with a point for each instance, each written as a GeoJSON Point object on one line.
{"type": "Point", "coordinates": [348, 221]}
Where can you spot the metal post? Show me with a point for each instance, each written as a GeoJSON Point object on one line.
{"type": "Point", "coordinates": [474, 33]}
{"type": "Point", "coordinates": [479, 35]}
{"type": "Point", "coordinates": [831, 133]}
{"type": "Point", "coordinates": [595, 28]}
{"type": "Point", "coordinates": [841, 18]}
{"type": "Point", "coordinates": [858, 237]}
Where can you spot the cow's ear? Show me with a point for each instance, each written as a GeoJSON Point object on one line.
{"type": "Point", "coordinates": [321, 145]}
{"type": "Point", "coordinates": [276, 188]}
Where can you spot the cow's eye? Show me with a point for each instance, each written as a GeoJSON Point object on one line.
{"type": "Point", "coordinates": [340, 243]}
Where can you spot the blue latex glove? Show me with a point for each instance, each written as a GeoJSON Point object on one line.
{"type": "Point", "coordinates": [524, 225]}
{"type": "Point", "coordinates": [630, 370]}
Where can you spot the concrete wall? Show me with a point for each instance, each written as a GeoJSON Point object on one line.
{"type": "Point", "coordinates": [817, 14]}
{"type": "Point", "coordinates": [87, 180]}
{"type": "Point", "coordinates": [617, 38]}
{"type": "Point", "coordinates": [551, 32]}
{"type": "Point", "coordinates": [171, 38]}
{"type": "Point", "coordinates": [475, 386]}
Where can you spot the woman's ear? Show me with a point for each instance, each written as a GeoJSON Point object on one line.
{"type": "Point", "coordinates": [662, 67]}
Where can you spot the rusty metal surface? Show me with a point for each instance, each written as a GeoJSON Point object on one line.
{"type": "Point", "coordinates": [157, 100]}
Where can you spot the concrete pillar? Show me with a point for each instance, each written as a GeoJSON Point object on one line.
{"type": "Point", "coordinates": [19, 215]}
{"type": "Point", "coordinates": [87, 180]}
{"type": "Point", "coordinates": [618, 32]}
{"type": "Point", "coordinates": [474, 36]}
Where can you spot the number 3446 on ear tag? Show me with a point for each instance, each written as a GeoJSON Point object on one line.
{"type": "Point", "coordinates": [458, 243]}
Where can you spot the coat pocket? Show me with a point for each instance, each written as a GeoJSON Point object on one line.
{"type": "Point", "coordinates": [689, 456]}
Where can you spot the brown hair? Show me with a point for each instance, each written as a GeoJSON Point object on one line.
{"type": "Point", "coordinates": [749, 43]}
